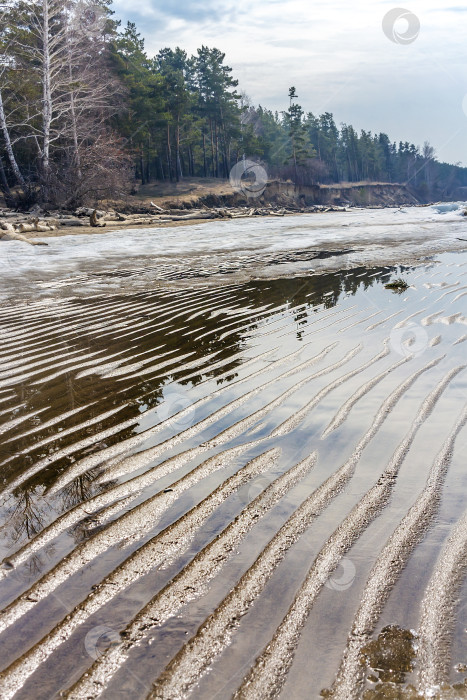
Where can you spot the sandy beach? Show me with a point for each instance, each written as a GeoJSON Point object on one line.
{"type": "Point", "coordinates": [229, 446]}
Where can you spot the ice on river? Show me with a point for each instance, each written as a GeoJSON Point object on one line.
{"type": "Point", "coordinates": [261, 245]}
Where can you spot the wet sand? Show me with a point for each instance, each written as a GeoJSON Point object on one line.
{"type": "Point", "coordinates": [231, 489]}
{"type": "Point", "coordinates": [232, 251]}
{"type": "Point", "coordinates": [113, 227]}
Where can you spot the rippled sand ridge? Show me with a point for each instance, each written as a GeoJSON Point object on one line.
{"type": "Point", "coordinates": [247, 489]}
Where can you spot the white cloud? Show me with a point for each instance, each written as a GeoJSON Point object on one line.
{"type": "Point", "coordinates": [336, 55]}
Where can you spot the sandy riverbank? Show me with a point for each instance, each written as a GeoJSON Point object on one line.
{"type": "Point", "coordinates": [193, 478]}
{"type": "Point", "coordinates": [210, 194]}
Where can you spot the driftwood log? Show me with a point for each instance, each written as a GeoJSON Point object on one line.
{"type": "Point", "coordinates": [72, 222]}
{"type": "Point", "coordinates": [44, 221]}
{"type": "Point", "coordinates": [191, 217]}
{"type": "Point", "coordinates": [12, 236]}
{"type": "Point", "coordinates": [88, 211]}
{"type": "Point", "coordinates": [94, 221]}
{"type": "Point", "coordinates": [115, 217]}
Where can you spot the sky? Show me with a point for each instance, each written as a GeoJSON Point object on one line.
{"type": "Point", "coordinates": [404, 73]}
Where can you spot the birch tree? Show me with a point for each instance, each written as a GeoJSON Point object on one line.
{"type": "Point", "coordinates": [4, 60]}
{"type": "Point", "coordinates": [8, 145]}
{"type": "Point", "coordinates": [62, 44]}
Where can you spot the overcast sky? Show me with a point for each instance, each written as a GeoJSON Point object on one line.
{"type": "Point", "coordinates": [336, 55]}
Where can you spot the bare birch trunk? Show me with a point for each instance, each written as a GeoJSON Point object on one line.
{"type": "Point", "coordinates": [74, 125]}
{"type": "Point", "coordinates": [46, 97]}
{"type": "Point", "coordinates": [9, 147]}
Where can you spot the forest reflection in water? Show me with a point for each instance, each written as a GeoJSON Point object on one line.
{"type": "Point", "coordinates": [157, 420]}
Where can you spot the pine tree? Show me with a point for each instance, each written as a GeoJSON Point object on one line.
{"type": "Point", "coordinates": [300, 147]}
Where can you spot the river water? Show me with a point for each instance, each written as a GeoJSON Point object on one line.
{"type": "Point", "coordinates": [233, 461]}
{"type": "Point", "coordinates": [236, 250]}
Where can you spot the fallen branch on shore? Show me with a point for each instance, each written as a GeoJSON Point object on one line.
{"type": "Point", "coordinates": [15, 224]}
{"type": "Point", "coordinates": [13, 236]}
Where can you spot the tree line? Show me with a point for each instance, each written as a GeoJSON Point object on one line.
{"type": "Point", "coordinates": [85, 113]}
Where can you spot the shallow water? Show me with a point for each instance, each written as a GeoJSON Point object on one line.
{"type": "Point", "coordinates": [230, 251]}
{"type": "Point", "coordinates": [214, 471]}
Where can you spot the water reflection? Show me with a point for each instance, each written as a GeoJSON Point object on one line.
{"type": "Point", "coordinates": [194, 336]}
{"type": "Point", "coordinates": [128, 411]}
